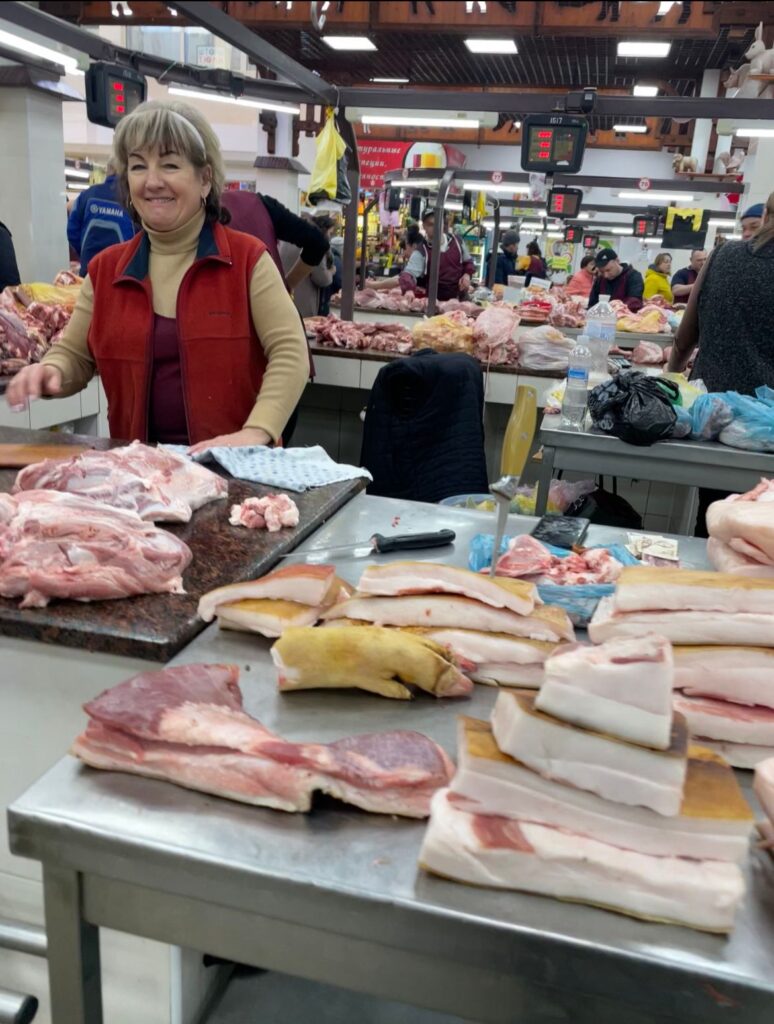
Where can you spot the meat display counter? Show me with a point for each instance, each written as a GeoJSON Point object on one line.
{"type": "Point", "coordinates": [337, 895]}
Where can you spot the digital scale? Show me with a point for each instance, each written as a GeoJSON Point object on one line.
{"type": "Point", "coordinates": [112, 92]}
{"type": "Point", "coordinates": [553, 143]}
{"type": "Point", "coordinates": [645, 226]}
{"type": "Point", "coordinates": [564, 202]}
{"type": "Point", "coordinates": [590, 241]}
{"type": "Point", "coordinates": [573, 234]}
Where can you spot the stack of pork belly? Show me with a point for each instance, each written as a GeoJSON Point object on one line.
{"type": "Point", "coordinates": [498, 629]}
{"type": "Point", "coordinates": [589, 791]}
{"type": "Point", "coordinates": [722, 626]}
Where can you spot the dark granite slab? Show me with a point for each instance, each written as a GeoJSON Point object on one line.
{"type": "Point", "coordinates": [157, 626]}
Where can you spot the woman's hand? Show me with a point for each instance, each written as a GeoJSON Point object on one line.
{"type": "Point", "coordinates": [464, 283]}
{"type": "Point", "coordinates": [33, 382]}
{"type": "Point", "coordinates": [241, 439]}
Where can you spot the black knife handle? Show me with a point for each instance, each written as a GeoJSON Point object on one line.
{"type": "Point", "coordinates": [412, 541]}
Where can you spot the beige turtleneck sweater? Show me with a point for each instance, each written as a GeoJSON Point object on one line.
{"type": "Point", "coordinates": [274, 316]}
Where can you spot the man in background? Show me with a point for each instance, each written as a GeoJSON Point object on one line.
{"type": "Point", "coordinates": [616, 280]}
{"type": "Point", "coordinates": [751, 220]}
{"type": "Point", "coordinates": [684, 280]}
{"type": "Point", "coordinates": [98, 220]}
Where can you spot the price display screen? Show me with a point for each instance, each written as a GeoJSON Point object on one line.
{"type": "Point", "coordinates": [564, 202]}
{"type": "Point", "coordinates": [645, 227]}
{"type": "Point", "coordinates": [112, 92]}
{"type": "Point", "coordinates": [553, 142]}
{"type": "Point", "coordinates": [590, 241]}
{"type": "Point", "coordinates": [123, 97]}
{"type": "Point", "coordinates": [574, 234]}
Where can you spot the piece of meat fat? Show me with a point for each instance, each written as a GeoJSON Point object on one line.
{"type": "Point", "coordinates": [723, 720]}
{"type": "Point", "coordinates": [743, 675]}
{"type": "Point", "coordinates": [763, 786]}
{"type": "Point", "coordinates": [642, 589]}
{"type": "Point", "coordinates": [548, 622]}
{"type": "Point", "coordinates": [681, 627]}
{"type": "Point", "coordinates": [589, 710]}
{"type": "Point", "coordinates": [615, 769]}
{"type": "Point", "coordinates": [315, 585]}
{"type": "Point", "coordinates": [266, 616]}
{"type": "Point", "coordinates": [530, 677]}
{"type": "Point", "coordinates": [747, 526]}
{"type": "Point", "coordinates": [506, 854]}
{"type": "Point", "coordinates": [738, 755]}
{"type": "Point", "coordinates": [723, 558]}
{"type": "Point", "coordinates": [396, 579]}
{"type": "Point", "coordinates": [714, 822]}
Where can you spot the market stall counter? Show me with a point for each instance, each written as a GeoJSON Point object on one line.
{"type": "Point", "coordinates": [336, 895]}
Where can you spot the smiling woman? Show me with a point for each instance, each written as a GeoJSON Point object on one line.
{"type": "Point", "coordinates": [189, 324]}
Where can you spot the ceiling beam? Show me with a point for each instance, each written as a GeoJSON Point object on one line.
{"type": "Point", "coordinates": [257, 49]}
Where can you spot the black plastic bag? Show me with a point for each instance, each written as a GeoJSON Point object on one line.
{"type": "Point", "coordinates": [606, 509]}
{"type": "Point", "coordinates": [637, 408]}
{"type": "Point", "coordinates": [343, 191]}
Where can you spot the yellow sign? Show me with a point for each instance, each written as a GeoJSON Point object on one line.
{"type": "Point", "coordinates": [696, 215]}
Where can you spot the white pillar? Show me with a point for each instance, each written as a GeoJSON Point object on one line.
{"type": "Point", "coordinates": [702, 129]}
{"type": "Point", "coordinates": [33, 183]}
{"type": "Point", "coordinates": [758, 183]}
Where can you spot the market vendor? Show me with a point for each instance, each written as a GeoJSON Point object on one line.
{"type": "Point", "coordinates": [506, 258]}
{"type": "Point", "coordinates": [189, 325]}
{"type": "Point", "coordinates": [751, 220]}
{"type": "Point", "coordinates": [684, 280]}
{"type": "Point", "coordinates": [455, 271]}
{"type": "Point", "coordinates": [616, 280]}
{"type": "Point", "coordinates": [581, 281]}
{"type": "Point", "coordinates": [657, 278]}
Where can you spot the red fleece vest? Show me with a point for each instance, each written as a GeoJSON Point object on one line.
{"type": "Point", "coordinates": [221, 357]}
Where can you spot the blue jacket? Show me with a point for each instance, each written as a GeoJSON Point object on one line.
{"type": "Point", "coordinates": [98, 220]}
{"type": "Point", "coordinates": [506, 266]}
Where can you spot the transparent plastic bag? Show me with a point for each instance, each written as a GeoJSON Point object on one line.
{"type": "Point", "coordinates": [753, 425]}
{"type": "Point", "coordinates": [710, 414]}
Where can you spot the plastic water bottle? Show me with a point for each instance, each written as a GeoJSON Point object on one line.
{"type": "Point", "coordinates": [576, 392]}
{"type": "Point", "coordinates": [600, 330]}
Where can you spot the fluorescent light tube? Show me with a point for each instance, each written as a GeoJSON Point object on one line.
{"type": "Point", "coordinates": [70, 64]}
{"type": "Point", "coordinates": [419, 182]}
{"type": "Point", "coordinates": [488, 186]}
{"type": "Point", "coordinates": [755, 133]}
{"type": "Point", "coordinates": [452, 206]}
{"type": "Point", "coordinates": [640, 48]}
{"type": "Point", "coordinates": [491, 46]}
{"type": "Point", "coordinates": [554, 234]}
{"type": "Point", "coordinates": [391, 81]}
{"type": "Point", "coordinates": [616, 231]}
{"type": "Point", "coordinates": [349, 42]}
{"type": "Point", "coordinates": [639, 129]}
{"type": "Point", "coordinates": [647, 197]}
{"type": "Point", "coordinates": [504, 225]}
{"type": "Point", "coordinates": [74, 172]}
{"type": "Point", "coordinates": [420, 122]}
{"type": "Point", "coordinates": [584, 216]}
{"type": "Point", "coordinates": [716, 222]}
{"type": "Point", "coordinates": [645, 90]}
{"type": "Point", "coordinates": [220, 97]}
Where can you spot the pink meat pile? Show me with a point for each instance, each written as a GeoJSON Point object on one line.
{"type": "Point", "coordinates": [396, 301]}
{"type": "Point", "coordinates": [26, 334]}
{"type": "Point", "coordinates": [568, 312]}
{"type": "Point", "coordinates": [527, 557]}
{"type": "Point", "coordinates": [331, 332]}
{"type": "Point", "coordinates": [273, 512]}
{"type": "Point", "coordinates": [187, 725]}
{"type": "Point", "coordinates": [494, 336]}
{"type": "Point", "coordinates": [650, 319]}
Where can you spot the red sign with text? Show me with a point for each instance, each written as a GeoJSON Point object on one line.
{"type": "Point", "coordinates": [376, 158]}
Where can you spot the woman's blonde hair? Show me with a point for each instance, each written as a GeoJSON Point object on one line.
{"type": "Point", "coordinates": [170, 126]}
{"type": "Point", "coordinates": [765, 232]}
{"type": "Point", "coordinates": [661, 258]}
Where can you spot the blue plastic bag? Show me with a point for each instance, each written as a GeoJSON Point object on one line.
{"type": "Point", "coordinates": [752, 427]}
{"type": "Point", "coordinates": [710, 414]}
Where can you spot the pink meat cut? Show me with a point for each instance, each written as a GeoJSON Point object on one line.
{"type": "Point", "coordinates": [314, 585]}
{"type": "Point", "coordinates": [186, 725]}
{"type": "Point", "coordinates": [745, 522]}
{"type": "Point", "coordinates": [723, 558]}
{"type": "Point", "coordinates": [156, 484]}
{"type": "Point", "coordinates": [763, 786]}
{"type": "Point", "coordinates": [56, 545]}
{"type": "Point", "coordinates": [273, 512]}
{"type": "Point", "coordinates": [743, 675]}
{"type": "Point", "coordinates": [528, 557]}
{"type": "Point", "coordinates": [525, 557]}
{"type": "Point", "coordinates": [722, 720]}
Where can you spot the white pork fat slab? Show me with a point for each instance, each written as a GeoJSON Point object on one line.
{"type": "Point", "coordinates": [744, 675]}
{"type": "Point", "coordinates": [643, 589]}
{"type": "Point", "coordinates": [722, 628]}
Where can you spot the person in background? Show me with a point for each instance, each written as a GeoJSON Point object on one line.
{"type": "Point", "coordinates": [188, 324]}
{"type": "Point", "coordinates": [455, 270]}
{"type": "Point", "coordinates": [684, 280]}
{"type": "Point", "coordinates": [271, 222]}
{"type": "Point", "coordinates": [616, 280]}
{"type": "Point", "coordinates": [751, 220]}
{"type": "Point", "coordinates": [537, 266]}
{"type": "Point", "coordinates": [98, 219]}
{"type": "Point", "coordinates": [337, 247]}
{"type": "Point", "coordinates": [506, 258]}
{"type": "Point", "coordinates": [9, 271]}
{"type": "Point", "coordinates": [580, 283]}
{"type": "Point", "coordinates": [657, 278]}
{"type": "Point", "coordinates": [729, 317]}
{"type": "Point", "coordinates": [306, 293]}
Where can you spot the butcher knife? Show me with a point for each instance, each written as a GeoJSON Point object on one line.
{"type": "Point", "coordinates": [377, 545]}
{"type": "Point", "coordinates": [504, 491]}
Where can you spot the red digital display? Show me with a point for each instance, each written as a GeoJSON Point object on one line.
{"type": "Point", "coordinates": [590, 241]}
{"type": "Point", "coordinates": [558, 203]}
{"type": "Point", "coordinates": [118, 86]}
{"type": "Point", "coordinates": [546, 134]}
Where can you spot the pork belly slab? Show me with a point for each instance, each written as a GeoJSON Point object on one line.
{"type": "Point", "coordinates": [763, 786]}
{"type": "Point", "coordinates": [714, 822]}
{"type": "Point", "coordinates": [744, 675]}
{"type": "Point", "coordinates": [652, 589]}
{"type": "Point", "coordinates": [623, 688]}
{"type": "Point", "coordinates": [738, 755]}
{"type": "Point", "coordinates": [723, 720]}
{"type": "Point", "coordinates": [267, 617]}
{"type": "Point", "coordinates": [723, 558]}
{"type": "Point", "coordinates": [314, 585]}
{"type": "Point", "coordinates": [612, 768]}
{"type": "Point", "coordinates": [507, 854]}
{"type": "Point", "coordinates": [396, 579]}
{"type": "Point", "coordinates": [496, 659]}
{"type": "Point", "coordinates": [186, 725]}
{"type": "Point", "coordinates": [382, 661]}
{"type": "Point", "coordinates": [746, 523]}
{"type": "Point", "coordinates": [548, 622]}
{"type": "Point", "coordinates": [682, 627]}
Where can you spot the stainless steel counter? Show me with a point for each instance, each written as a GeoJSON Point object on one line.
{"type": "Point", "coordinates": [336, 895]}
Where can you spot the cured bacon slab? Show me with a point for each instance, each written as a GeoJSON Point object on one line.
{"type": "Point", "coordinates": [714, 822]}
{"type": "Point", "coordinates": [660, 589]}
{"type": "Point", "coordinates": [722, 720]}
{"type": "Point", "coordinates": [396, 579]}
{"type": "Point", "coordinates": [744, 675]}
{"type": "Point", "coordinates": [186, 725]}
{"type": "Point", "coordinates": [622, 688]}
{"type": "Point", "coordinates": [682, 627]}
{"type": "Point", "coordinates": [508, 854]}
{"type": "Point", "coordinates": [612, 768]}
{"type": "Point", "coordinates": [304, 584]}
{"type": "Point", "coordinates": [382, 661]}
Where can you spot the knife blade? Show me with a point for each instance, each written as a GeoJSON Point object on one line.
{"type": "Point", "coordinates": [503, 491]}
{"type": "Point", "coordinates": [376, 545]}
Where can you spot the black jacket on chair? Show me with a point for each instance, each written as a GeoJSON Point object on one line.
{"type": "Point", "coordinates": [424, 435]}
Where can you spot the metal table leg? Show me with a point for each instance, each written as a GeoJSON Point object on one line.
{"type": "Point", "coordinates": [545, 475]}
{"type": "Point", "coordinates": [73, 951]}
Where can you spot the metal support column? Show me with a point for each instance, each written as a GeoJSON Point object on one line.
{"type": "Point", "coordinates": [438, 232]}
{"type": "Point", "coordinates": [349, 260]}
{"type": "Point", "coordinates": [17, 1009]}
{"type": "Point", "coordinates": [367, 207]}
{"type": "Point", "coordinates": [74, 974]}
{"type": "Point", "coordinates": [22, 938]}
{"type": "Point", "coordinates": [492, 268]}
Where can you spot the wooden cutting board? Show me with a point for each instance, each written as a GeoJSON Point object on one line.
{"type": "Point", "coordinates": [17, 456]}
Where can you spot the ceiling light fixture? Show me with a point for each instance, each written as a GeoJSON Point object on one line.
{"type": "Point", "coordinates": [452, 206]}
{"type": "Point", "coordinates": [349, 42]}
{"type": "Point", "coordinates": [640, 48]}
{"type": "Point", "coordinates": [504, 225]}
{"type": "Point", "coordinates": [428, 183]}
{"type": "Point", "coordinates": [638, 129]}
{"type": "Point", "coordinates": [755, 133]}
{"type": "Point", "coordinates": [488, 186]}
{"type": "Point", "coordinates": [239, 101]}
{"type": "Point", "coordinates": [648, 197]}
{"type": "Point", "coordinates": [75, 172]}
{"type": "Point", "coordinates": [584, 216]}
{"type": "Point", "coordinates": [420, 122]}
{"type": "Point", "coordinates": [616, 231]}
{"type": "Point", "coordinates": [645, 90]}
{"type": "Point", "coordinates": [391, 81]}
{"type": "Point", "coordinates": [716, 222]}
{"type": "Point", "coordinates": [491, 45]}
{"type": "Point", "coordinates": [69, 64]}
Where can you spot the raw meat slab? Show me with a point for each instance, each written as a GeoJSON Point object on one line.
{"type": "Point", "coordinates": [16, 456]}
